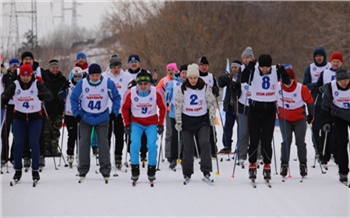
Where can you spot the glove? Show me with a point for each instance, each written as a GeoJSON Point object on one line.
{"type": "Point", "coordinates": [39, 78]}
{"type": "Point", "coordinates": [65, 85]}
{"type": "Point", "coordinates": [280, 69]}
{"type": "Point", "coordinates": [251, 64]}
{"type": "Point", "coordinates": [160, 129]}
{"type": "Point", "coordinates": [112, 116]}
{"type": "Point", "coordinates": [321, 89]}
{"type": "Point", "coordinates": [326, 127]}
{"type": "Point", "coordinates": [212, 121]}
{"type": "Point", "coordinates": [309, 119]}
{"type": "Point", "coordinates": [78, 118]}
{"type": "Point", "coordinates": [178, 127]}
{"type": "Point", "coordinates": [127, 130]}
{"type": "Point", "coordinates": [216, 91]}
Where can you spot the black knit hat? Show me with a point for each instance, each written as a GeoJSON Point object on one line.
{"type": "Point", "coordinates": [341, 74]}
{"type": "Point", "coordinates": [203, 60]}
{"type": "Point", "coordinates": [27, 54]}
{"type": "Point", "coordinates": [143, 77]}
{"type": "Point", "coordinates": [95, 69]}
{"type": "Point", "coordinates": [115, 61]}
{"type": "Point", "coordinates": [183, 67]}
{"type": "Point", "coordinates": [265, 60]}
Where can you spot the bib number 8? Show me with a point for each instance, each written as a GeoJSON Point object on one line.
{"type": "Point", "coordinates": [266, 82]}
{"type": "Point", "coordinates": [97, 106]}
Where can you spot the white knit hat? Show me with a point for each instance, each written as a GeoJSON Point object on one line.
{"type": "Point", "coordinates": [192, 70]}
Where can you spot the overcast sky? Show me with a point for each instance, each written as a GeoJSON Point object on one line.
{"type": "Point", "coordinates": [89, 12]}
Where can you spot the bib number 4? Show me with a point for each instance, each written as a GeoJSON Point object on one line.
{"type": "Point", "coordinates": [93, 106]}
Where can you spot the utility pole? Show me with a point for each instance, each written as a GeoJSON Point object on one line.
{"type": "Point", "coordinates": [13, 36]}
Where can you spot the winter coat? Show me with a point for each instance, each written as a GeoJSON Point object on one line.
{"type": "Point", "coordinates": [233, 90]}
{"type": "Point", "coordinates": [169, 95]}
{"type": "Point", "coordinates": [54, 83]}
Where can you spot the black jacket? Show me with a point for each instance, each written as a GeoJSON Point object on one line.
{"type": "Point", "coordinates": [233, 90]}
{"type": "Point", "coordinates": [43, 94]}
{"type": "Point", "coordinates": [54, 83]}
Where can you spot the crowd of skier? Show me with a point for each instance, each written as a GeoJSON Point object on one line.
{"type": "Point", "coordinates": [103, 110]}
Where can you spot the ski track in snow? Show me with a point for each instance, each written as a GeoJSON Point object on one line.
{"type": "Point", "coordinates": [59, 194]}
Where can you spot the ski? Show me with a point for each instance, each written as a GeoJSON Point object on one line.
{"type": "Point", "coordinates": [106, 180]}
{"type": "Point", "coordinates": [40, 169]}
{"type": "Point", "coordinates": [151, 183]}
{"type": "Point", "coordinates": [283, 178]}
{"type": "Point", "coordinates": [267, 182]}
{"type": "Point", "coordinates": [134, 182]}
{"type": "Point", "coordinates": [252, 182]}
{"type": "Point", "coordinates": [26, 169]}
{"type": "Point", "coordinates": [187, 180]}
{"type": "Point", "coordinates": [81, 180]}
{"type": "Point", "coordinates": [35, 182]}
{"type": "Point", "coordinates": [302, 179]}
{"type": "Point", "coordinates": [14, 182]}
{"type": "Point", "coordinates": [208, 180]}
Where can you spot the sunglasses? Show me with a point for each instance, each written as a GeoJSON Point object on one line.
{"type": "Point", "coordinates": [78, 76]}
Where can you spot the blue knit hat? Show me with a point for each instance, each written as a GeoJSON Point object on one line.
{"type": "Point", "coordinates": [133, 58]}
{"type": "Point", "coordinates": [14, 62]}
{"type": "Point", "coordinates": [81, 55]}
{"type": "Point", "coordinates": [95, 69]}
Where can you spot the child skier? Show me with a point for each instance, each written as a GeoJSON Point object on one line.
{"type": "Point", "coordinates": [139, 111]}
{"type": "Point", "coordinates": [27, 94]}
{"type": "Point", "coordinates": [195, 114]}
{"type": "Point", "coordinates": [90, 106]}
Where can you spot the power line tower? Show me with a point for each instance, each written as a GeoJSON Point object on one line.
{"type": "Point", "coordinates": [13, 35]}
{"type": "Point", "coordinates": [74, 9]}
{"type": "Point", "coordinates": [34, 29]}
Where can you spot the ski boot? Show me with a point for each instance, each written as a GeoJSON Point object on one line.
{"type": "Point", "coordinates": [207, 178]}
{"type": "Point", "coordinates": [35, 175]}
{"type": "Point", "coordinates": [343, 178]}
{"type": "Point", "coordinates": [267, 172]}
{"type": "Point", "coordinates": [105, 176]}
{"type": "Point", "coordinates": [252, 171]}
{"type": "Point", "coordinates": [172, 165]}
{"type": "Point", "coordinates": [118, 162]}
{"type": "Point", "coordinates": [17, 176]}
{"type": "Point", "coordinates": [26, 163]}
{"type": "Point", "coordinates": [70, 160]}
{"type": "Point", "coordinates": [241, 163]}
{"type": "Point", "coordinates": [303, 170]}
{"type": "Point", "coordinates": [284, 170]}
{"type": "Point", "coordinates": [82, 177]}
{"type": "Point", "coordinates": [135, 173]}
{"type": "Point", "coordinates": [187, 179]}
{"type": "Point", "coordinates": [225, 150]}
{"type": "Point", "coordinates": [151, 173]}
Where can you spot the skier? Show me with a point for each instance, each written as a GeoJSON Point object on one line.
{"type": "Point", "coordinates": [76, 75]}
{"type": "Point", "coordinates": [122, 81]}
{"type": "Point", "coordinates": [195, 110]}
{"type": "Point", "coordinates": [336, 109]}
{"type": "Point", "coordinates": [171, 70]}
{"type": "Point", "coordinates": [139, 111]}
{"type": "Point", "coordinates": [327, 76]}
{"type": "Point", "coordinates": [90, 106]}
{"type": "Point", "coordinates": [170, 95]}
{"type": "Point", "coordinates": [210, 80]}
{"type": "Point", "coordinates": [27, 95]}
{"type": "Point", "coordinates": [311, 76]}
{"type": "Point", "coordinates": [262, 109]}
{"type": "Point", "coordinates": [292, 116]}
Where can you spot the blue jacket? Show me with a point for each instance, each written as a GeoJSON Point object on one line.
{"type": "Point", "coordinates": [169, 95]}
{"type": "Point", "coordinates": [90, 118]}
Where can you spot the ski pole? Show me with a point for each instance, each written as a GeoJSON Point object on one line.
{"type": "Point", "coordinates": [126, 150]}
{"type": "Point", "coordinates": [222, 123]}
{"type": "Point", "coordinates": [324, 144]}
{"type": "Point", "coordinates": [216, 157]}
{"type": "Point", "coordinates": [160, 151]}
{"type": "Point", "coordinates": [7, 146]}
{"type": "Point", "coordinates": [78, 142]}
{"type": "Point", "coordinates": [274, 154]}
{"type": "Point", "coordinates": [316, 151]}
{"type": "Point", "coordinates": [51, 130]}
{"type": "Point", "coordinates": [179, 147]}
{"type": "Point", "coordinates": [195, 145]}
{"type": "Point", "coordinates": [59, 164]}
{"type": "Point", "coordinates": [111, 143]}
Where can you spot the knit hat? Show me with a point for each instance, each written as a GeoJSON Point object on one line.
{"type": "Point", "coordinates": [236, 63]}
{"type": "Point", "coordinates": [53, 62]}
{"type": "Point", "coordinates": [26, 69]}
{"type": "Point", "coordinates": [341, 74]}
{"type": "Point", "coordinates": [203, 60]}
{"type": "Point", "coordinates": [172, 65]}
{"type": "Point", "coordinates": [183, 67]}
{"type": "Point", "coordinates": [192, 70]}
{"type": "Point", "coordinates": [133, 58]}
{"type": "Point", "coordinates": [265, 60]}
{"type": "Point", "coordinates": [248, 52]}
{"type": "Point", "coordinates": [77, 71]}
{"type": "Point", "coordinates": [81, 55]}
{"type": "Point", "coordinates": [337, 55]}
{"type": "Point", "coordinates": [27, 54]}
{"type": "Point", "coordinates": [290, 72]}
{"type": "Point", "coordinates": [14, 62]}
{"type": "Point", "coordinates": [143, 77]}
{"type": "Point", "coordinates": [94, 69]}
{"type": "Point", "coordinates": [115, 61]}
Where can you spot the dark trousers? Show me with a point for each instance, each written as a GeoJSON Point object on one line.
{"type": "Point", "coordinates": [5, 133]}
{"type": "Point", "coordinates": [118, 130]}
{"type": "Point", "coordinates": [189, 146]}
{"type": "Point", "coordinates": [316, 127]}
{"type": "Point", "coordinates": [261, 123]}
{"type": "Point", "coordinates": [71, 124]}
{"type": "Point", "coordinates": [32, 129]}
{"type": "Point", "coordinates": [230, 119]}
{"type": "Point", "coordinates": [342, 140]}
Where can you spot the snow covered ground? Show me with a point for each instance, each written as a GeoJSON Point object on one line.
{"type": "Point", "coordinates": [59, 194]}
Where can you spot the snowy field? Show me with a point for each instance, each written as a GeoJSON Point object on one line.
{"type": "Point", "coordinates": [59, 194]}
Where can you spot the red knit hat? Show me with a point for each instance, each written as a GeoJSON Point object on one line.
{"type": "Point", "coordinates": [26, 69]}
{"type": "Point", "coordinates": [290, 72]}
{"type": "Point", "coordinates": [337, 55]}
